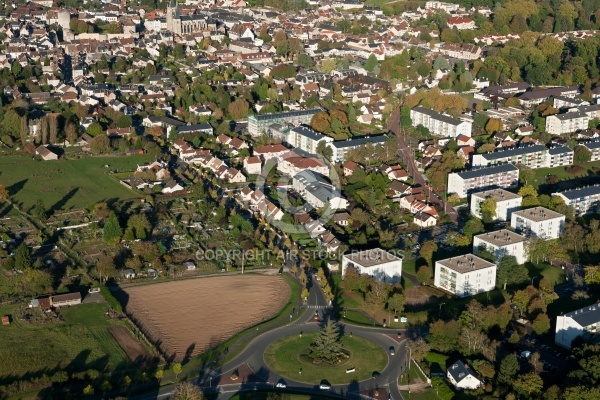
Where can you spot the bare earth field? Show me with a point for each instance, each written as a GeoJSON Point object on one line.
{"type": "Point", "coordinates": [134, 350]}
{"type": "Point", "coordinates": [185, 318]}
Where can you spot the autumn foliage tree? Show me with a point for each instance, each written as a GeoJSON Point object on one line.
{"type": "Point", "coordinates": [493, 125]}
{"type": "Point", "coordinates": [238, 109]}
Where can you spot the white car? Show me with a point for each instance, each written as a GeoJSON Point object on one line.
{"type": "Point", "coordinates": [324, 386]}
{"type": "Point", "coordinates": [94, 290]}
{"type": "Point", "coordinates": [281, 385]}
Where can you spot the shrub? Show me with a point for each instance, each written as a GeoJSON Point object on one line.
{"type": "Point", "coordinates": [575, 170]}
{"type": "Point", "coordinates": [444, 391]}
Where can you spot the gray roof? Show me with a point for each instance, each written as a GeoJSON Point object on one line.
{"type": "Point", "coordinates": [317, 185]}
{"type": "Point", "coordinates": [371, 258]}
{"type": "Point", "coordinates": [586, 316]}
{"type": "Point", "coordinates": [287, 114]}
{"type": "Point", "coordinates": [465, 263]}
{"type": "Point", "coordinates": [560, 150]}
{"type": "Point", "coordinates": [497, 194]}
{"type": "Point", "coordinates": [591, 107]}
{"type": "Point", "coordinates": [438, 116]}
{"type": "Point", "coordinates": [194, 128]}
{"type": "Point", "coordinates": [360, 141]}
{"type": "Point", "coordinates": [501, 238]}
{"type": "Point", "coordinates": [580, 192]}
{"type": "Point", "coordinates": [545, 93]}
{"type": "Point", "coordinates": [309, 133]}
{"type": "Point", "coordinates": [538, 214]}
{"type": "Point", "coordinates": [569, 115]}
{"type": "Point", "coordinates": [592, 145]}
{"type": "Point", "coordinates": [495, 169]}
{"type": "Point", "coordinates": [518, 151]}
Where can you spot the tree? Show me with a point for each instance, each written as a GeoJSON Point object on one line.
{"type": "Point", "coordinates": [376, 295]}
{"type": "Point", "coordinates": [509, 366]}
{"type": "Point", "coordinates": [419, 349]}
{"type": "Point", "coordinates": [494, 125]}
{"type": "Point", "coordinates": [39, 211]}
{"type": "Point", "coordinates": [396, 303]}
{"type": "Point", "coordinates": [541, 324]}
{"type": "Point", "coordinates": [528, 384]}
{"type": "Point", "coordinates": [60, 377]}
{"type": "Point", "coordinates": [112, 231]}
{"type": "Point", "coordinates": [327, 345]}
{"type": "Point", "coordinates": [321, 122]}
{"type": "Point", "coordinates": [22, 257]}
{"type": "Point", "coordinates": [238, 109]}
{"type": "Point", "coordinates": [124, 121]}
{"type": "Point", "coordinates": [100, 144]}
{"type": "Point", "coordinates": [426, 252]}
{"type": "Point", "coordinates": [510, 272]}
{"type": "Point", "coordinates": [177, 369]}
{"type": "Point", "coordinates": [582, 155]}
{"type": "Point", "coordinates": [473, 227]}
{"type": "Point", "coordinates": [530, 196]}
{"type": "Point", "coordinates": [443, 336]}
{"type": "Point", "coordinates": [94, 129]}
{"type": "Point", "coordinates": [88, 390]}
{"type": "Point", "coordinates": [159, 374]}
{"type": "Point", "coordinates": [592, 274]}
{"type": "Point", "coordinates": [371, 63]}
{"type": "Point", "coordinates": [187, 391]}
{"type": "Point", "coordinates": [324, 150]}
{"type": "Point", "coordinates": [488, 209]}
{"type": "Point", "coordinates": [424, 274]}
{"type": "Point", "coordinates": [140, 225]}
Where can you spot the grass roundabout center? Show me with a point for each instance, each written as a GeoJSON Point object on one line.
{"type": "Point", "coordinates": [289, 355]}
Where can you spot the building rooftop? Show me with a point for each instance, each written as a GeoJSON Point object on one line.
{"type": "Point", "coordinates": [309, 133]}
{"type": "Point", "coordinates": [517, 151]}
{"type": "Point", "coordinates": [287, 114]}
{"type": "Point", "coordinates": [497, 194]}
{"type": "Point", "coordinates": [371, 258]}
{"type": "Point", "coordinates": [495, 169]}
{"type": "Point", "coordinates": [501, 238]}
{"type": "Point", "coordinates": [538, 214]}
{"type": "Point", "coordinates": [560, 150]}
{"type": "Point", "coordinates": [569, 115]}
{"type": "Point", "coordinates": [460, 371]}
{"type": "Point", "coordinates": [438, 116]}
{"type": "Point", "coordinates": [465, 263]}
{"type": "Point", "coordinates": [360, 141]}
{"type": "Point", "coordinates": [586, 316]}
{"type": "Point", "coordinates": [574, 194]}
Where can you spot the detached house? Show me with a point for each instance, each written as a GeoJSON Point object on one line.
{"type": "Point", "coordinates": [462, 376]}
{"type": "Point", "coordinates": [583, 322]}
{"type": "Point", "coordinates": [45, 153]}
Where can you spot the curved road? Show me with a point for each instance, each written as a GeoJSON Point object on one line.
{"type": "Point", "coordinates": [253, 357]}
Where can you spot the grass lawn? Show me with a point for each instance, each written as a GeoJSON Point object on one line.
{"type": "Point", "coordinates": [554, 274]}
{"type": "Point", "coordinates": [356, 317]}
{"type": "Point", "coordinates": [560, 172]}
{"type": "Point", "coordinates": [412, 375]}
{"type": "Point", "coordinates": [78, 343]}
{"type": "Point", "coordinates": [66, 184]}
{"type": "Point", "coordinates": [284, 356]}
{"type": "Point", "coordinates": [437, 362]}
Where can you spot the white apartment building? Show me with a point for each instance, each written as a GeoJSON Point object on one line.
{"type": "Point", "coordinates": [535, 156]}
{"type": "Point", "coordinates": [318, 191]}
{"type": "Point", "coordinates": [340, 148]}
{"type": "Point", "coordinates": [465, 275]}
{"type": "Point", "coordinates": [440, 124]}
{"type": "Point", "coordinates": [506, 203]}
{"type": "Point", "coordinates": [440, 5]}
{"type": "Point", "coordinates": [567, 122]}
{"type": "Point", "coordinates": [306, 139]}
{"type": "Point", "coordinates": [501, 243]}
{"type": "Point", "coordinates": [538, 222]}
{"type": "Point", "coordinates": [583, 322]}
{"type": "Point", "coordinates": [377, 263]}
{"type": "Point", "coordinates": [594, 148]}
{"type": "Point", "coordinates": [498, 176]}
{"type": "Point", "coordinates": [585, 200]}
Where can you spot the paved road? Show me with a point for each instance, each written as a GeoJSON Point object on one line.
{"type": "Point", "coordinates": [253, 357]}
{"type": "Point", "coordinates": [406, 155]}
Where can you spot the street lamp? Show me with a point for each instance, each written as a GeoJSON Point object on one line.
{"type": "Point", "coordinates": [535, 277]}
{"type": "Point", "coordinates": [440, 310]}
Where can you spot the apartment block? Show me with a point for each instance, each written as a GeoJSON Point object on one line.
{"type": "Point", "coordinates": [505, 176]}
{"type": "Point", "coordinates": [306, 139]}
{"type": "Point", "coordinates": [594, 148]}
{"type": "Point", "coordinates": [341, 148]}
{"type": "Point", "coordinates": [318, 191]}
{"type": "Point", "coordinates": [440, 124]}
{"type": "Point", "coordinates": [535, 156]}
{"type": "Point", "coordinates": [538, 222]}
{"type": "Point", "coordinates": [257, 124]}
{"type": "Point", "coordinates": [501, 243]}
{"type": "Point", "coordinates": [465, 275]}
{"type": "Point", "coordinates": [506, 203]}
{"type": "Point", "coordinates": [568, 122]}
{"type": "Point", "coordinates": [585, 200]}
{"type": "Point", "coordinates": [584, 322]}
{"type": "Point", "coordinates": [377, 263]}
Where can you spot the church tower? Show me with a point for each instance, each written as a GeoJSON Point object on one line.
{"type": "Point", "coordinates": [173, 22]}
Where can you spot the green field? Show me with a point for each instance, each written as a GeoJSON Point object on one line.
{"type": "Point", "coordinates": [540, 174]}
{"type": "Point", "coordinates": [78, 343]}
{"type": "Point", "coordinates": [66, 184]}
{"type": "Point", "coordinates": [283, 357]}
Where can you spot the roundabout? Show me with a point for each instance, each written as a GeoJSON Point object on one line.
{"type": "Point", "coordinates": [290, 357]}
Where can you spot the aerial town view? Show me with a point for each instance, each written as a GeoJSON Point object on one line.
{"type": "Point", "coordinates": [300, 199]}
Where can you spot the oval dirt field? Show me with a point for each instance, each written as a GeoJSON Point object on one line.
{"type": "Point", "coordinates": [185, 318]}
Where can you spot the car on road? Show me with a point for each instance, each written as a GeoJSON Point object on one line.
{"type": "Point", "coordinates": [281, 385]}
{"type": "Point", "coordinates": [375, 375]}
{"type": "Point", "coordinates": [392, 351]}
{"type": "Point", "coordinates": [94, 290]}
{"type": "Point", "coordinates": [325, 385]}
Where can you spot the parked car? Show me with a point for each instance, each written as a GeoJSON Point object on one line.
{"type": "Point", "coordinates": [375, 375]}
{"type": "Point", "coordinates": [281, 385]}
{"type": "Point", "coordinates": [325, 386]}
{"type": "Point", "coordinates": [94, 290]}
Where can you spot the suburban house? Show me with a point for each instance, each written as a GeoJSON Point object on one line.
{"type": "Point", "coordinates": [497, 176]}
{"type": "Point", "coordinates": [567, 122]}
{"type": "Point", "coordinates": [377, 263]}
{"type": "Point", "coordinates": [56, 301]}
{"type": "Point", "coordinates": [292, 164]}
{"type": "Point", "coordinates": [506, 203]}
{"type": "Point", "coordinates": [465, 275]}
{"type": "Point", "coordinates": [535, 156]}
{"type": "Point", "coordinates": [538, 222]}
{"type": "Point", "coordinates": [318, 191]}
{"type": "Point", "coordinates": [461, 23]}
{"type": "Point", "coordinates": [585, 200]}
{"type": "Point", "coordinates": [252, 165]}
{"type": "Point", "coordinates": [46, 153]}
{"type": "Point", "coordinates": [583, 322]}
{"type": "Point", "coordinates": [501, 243]}
{"type": "Point", "coordinates": [270, 151]}
{"type": "Point", "coordinates": [424, 219]}
{"type": "Point", "coordinates": [172, 187]}
{"type": "Point", "coordinates": [462, 376]}
{"type": "Point", "coordinates": [440, 124]}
